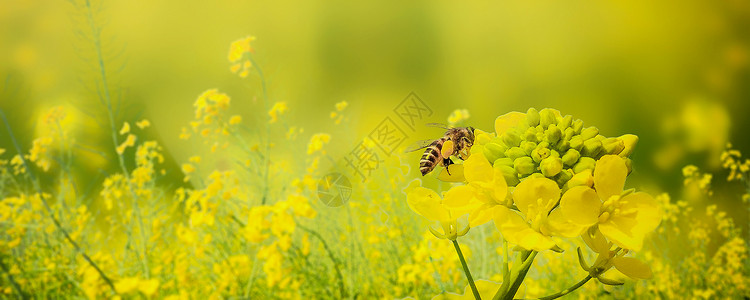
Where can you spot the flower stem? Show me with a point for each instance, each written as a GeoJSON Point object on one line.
{"type": "Point", "coordinates": [568, 290]}
{"type": "Point", "coordinates": [466, 270]}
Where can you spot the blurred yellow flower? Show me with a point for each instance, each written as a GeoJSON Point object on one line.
{"type": "Point", "coordinates": [143, 124]}
{"type": "Point", "coordinates": [457, 116]}
{"type": "Point", "coordinates": [317, 141]}
{"type": "Point", "coordinates": [125, 128]}
{"type": "Point", "coordinates": [278, 109]}
{"type": "Point", "coordinates": [430, 205]}
{"type": "Point", "coordinates": [234, 120]}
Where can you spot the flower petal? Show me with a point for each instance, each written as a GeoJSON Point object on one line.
{"type": "Point", "coordinates": [507, 121]}
{"type": "Point", "coordinates": [559, 225]}
{"type": "Point", "coordinates": [459, 196]}
{"type": "Point", "coordinates": [632, 267]}
{"type": "Point", "coordinates": [581, 205]}
{"type": "Point", "coordinates": [426, 202]}
{"type": "Point", "coordinates": [528, 192]}
{"type": "Point", "coordinates": [595, 240]}
{"type": "Point", "coordinates": [477, 168]}
{"type": "Point", "coordinates": [456, 175]}
{"type": "Point", "coordinates": [500, 186]}
{"type": "Point", "coordinates": [481, 215]}
{"type": "Point", "coordinates": [620, 231]}
{"type": "Point", "coordinates": [609, 176]}
{"type": "Point", "coordinates": [515, 229]}
{"type": "Point", "coordinates": [648, 213]}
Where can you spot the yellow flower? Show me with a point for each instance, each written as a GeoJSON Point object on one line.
{"type": "Point", "coordinates": [458, 115]}
{"type": "Point", "coordinates": [278, 109]}
{"type": "Point", "coordinates": [623, 217]}
{"type": "Point", "coordinates": [608, 258]}
{"type": "Point", "coordinates": [340, 106]}
{"type": "Point", "coordinates": [129, 142]}
{"type": "Point", "coordinates": [317, 141]}
{"type": "Point", "coordinates": [234, 120]}
{"type": "Point", "coordinates": [127, 285]}
{"type": "Point", "coordinates": [535, 198]}
{"type": "Point", "coordinates": [125, 128]}
{"type": "Point", "coordinates": [143, 124]}
{"type": "Point", "coordinates": [486, 189]}
{"type": "Point", "coordinates": [430, 205]}
{"type": "Point", "coordinates": [239, 47]}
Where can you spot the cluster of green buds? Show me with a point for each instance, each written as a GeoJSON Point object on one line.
{"type": "Point", "coordinates": [546, 144]}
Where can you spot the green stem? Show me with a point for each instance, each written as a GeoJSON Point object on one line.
{"type": "Point", "coordinates": [506, 257]}
{"type": "Point", "coordinates": [518, 274]}
{"type": "Point", "coordinates": [267, 156]}
{"type": "Point", "coordinates": [568, 290]}
{"type": "Point", "coordinates": [49, 210]}
{"type": "Point", "coordinates": [342, 289]}
{"type": "Point", "coordinates": [466, 270]}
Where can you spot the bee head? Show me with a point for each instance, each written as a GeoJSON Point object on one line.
{"type": "Point", "coordinates": [471, 129]}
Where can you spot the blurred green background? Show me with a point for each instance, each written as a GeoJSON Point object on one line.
{"type": "Point", "coordinates": [674, 72]}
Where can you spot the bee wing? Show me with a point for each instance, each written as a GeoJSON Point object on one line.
{"type": "Point", "coordinates": [418, 145]}
{"type": "Point", "coordinates": [438, 125]}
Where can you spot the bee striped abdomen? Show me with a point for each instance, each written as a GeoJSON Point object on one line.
{"type": "Point", "coordinates": [431, 157]}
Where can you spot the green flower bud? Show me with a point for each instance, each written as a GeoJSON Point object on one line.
{"type": "Point", "coordinates": [568, 134]}
{"type": "Point", "coordinates": [629, 141]}
{"type": "Point", "coordinates": [576, 142]}
{"type": "Point", "coordinates": [539, 154]}
{"type": "Point", "coordinates": [532, 117]}
{"type": "Point", "coordinates": [493, 151]}
{"type": "Point", "coordinates": [524, 165]}
{"type": "Point", "coordinates": [591, 147]}
{"type": "Point", "coordinates": [565, 122]}
{"type": "Point", "coordinates": [511, 177]}
{"type": "Point", "coordinates": [528, 147]}
{"type": "Point", "coordinates": [577, 126]}
{"type": "Point", "coordinates": [571, 157]}
{"type": "Point", "coordinates": [584, 163]}
{"type": "Point", "coordinates": [483, 139]}
{"type": "Point", "coordinates": [547, 117]}
{"type": "Point", "coordinates": [511, 138]}
{"type": "Point", "coordinates": [564, 176]}
{"type": "Point", "coordinates": [530, 135]}
{"type": "Point", "coordinates": [505, 161]}
{"type": "Point", "coordinates": [563, 145]}
{"type": "Point", "coordinates": [514, 153]}
{"type": "Point", "coordinates": [554, 153]}
{"type": "Point", "coordinates": [613, 146]}
{"type": "Point", "coordinates": [551, 166]}
{"type": "Point", "coordinates": [589, 133]}
{"type": "Point", "coordinates": [553, 134]}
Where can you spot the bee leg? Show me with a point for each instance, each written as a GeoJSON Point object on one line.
{"type": "Point", "coordinates": [447, 162]}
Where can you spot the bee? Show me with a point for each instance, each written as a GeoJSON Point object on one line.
{"type": "Point", "coordinates": [462, 139]}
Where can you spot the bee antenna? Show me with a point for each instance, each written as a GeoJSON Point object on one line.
{"type": "Point", "coordinates": [472, 129]}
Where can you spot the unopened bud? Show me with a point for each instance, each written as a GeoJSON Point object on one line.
{"type": "Point", "coordinates": [577, 126]}
{"type": "Point", "coordinates": [551, 166]}
{"type": "Point", "coordinates": [547, 117]}
{"type": "Point", "coordinates": [584, 178]}
{"type": "Point", "coordinates": [576, 142]}
{"type": "Point", "coordinates": [564, 176]}
{"type": "Point", "coordinates": [629, 140]}
{"type": "Point", "coordinates": [532, 117]}
{"type": "Point", "coordinates": [528, 147]}
{"type": "Point", "coordinates": [565, 122]}
{"type": "Point", "coordinates": [511, 138]}
{"type": "Point", "coordinates": [553, 134]}
{"type": "Point", "coordinates": [530, 135]}
{"type": "Point", "coordinates": [493, 151]}
{"type": "Point", "coordinates": [511, 177]}
{"type": "Point", "coordinates": [503, 162]}
{"type": "Point", "coordinates": [613, 146]}
{"type": "Point", "coordinates": [539, 154]}
{"type": "Point", "coordinates": [629, 164]}
{"type": "Point", "coordinates": [524, 165]}
{"type": "Point", "coordinates": [591, 147]}
{"type": "Point", "coordinates": [568, 134]}
{"type": "Point", "coordinates": [514, 153]}
{"type": "Point", "coordinates": [584, 163]}
{"type": "Point", "coordinates": [571, 157]}
{"type": "Point", "coordinates": [589, 133]}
